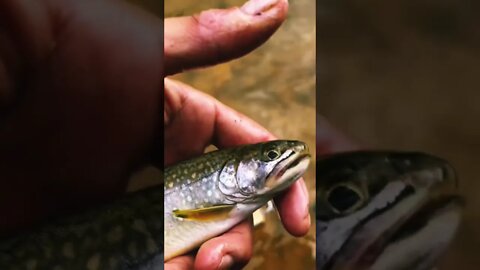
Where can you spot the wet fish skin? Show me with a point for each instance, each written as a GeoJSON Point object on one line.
{"type": "Point", "coordinates": [384, 210]}
{"type": "Point", "coordinates": [206, 196]}
{"type": "Point", "coordinates": [124, 235]}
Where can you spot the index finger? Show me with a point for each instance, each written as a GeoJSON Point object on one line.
{"type": "Point", "coordinates": [230, 128]}
{"type": "Point", "coordinates": [188, 111]}
{"type": "Point", "coordinates": [215, 36]}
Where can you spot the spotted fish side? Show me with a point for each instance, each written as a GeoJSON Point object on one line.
{"type": "Point", "coordinates": [125, 235]}
{"type": "Point", "coordinates": [191, 171]}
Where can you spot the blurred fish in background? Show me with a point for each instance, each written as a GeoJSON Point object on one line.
{"type": "Point", "coordinates": [403, 74]}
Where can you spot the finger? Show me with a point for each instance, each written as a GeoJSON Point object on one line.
{"type": "Point", "coordinates": [234, 248]}
{"type": "Point", "coordinates": [26, 37]}
{"type": "Point", "coordinates": [233, 128]}
{"type": "Point", "coordinates": [216, 36]}
{"type": "Point", "coordinates": [330, 140]}
{"type": "Point", "coordinates": [185, 113]}
{"type": "Point", "coordinates": [293, 209]}
{"type": "Point", "coordinates": [188, 111]}
{"type": "Point", "coordinates": [180, 263]}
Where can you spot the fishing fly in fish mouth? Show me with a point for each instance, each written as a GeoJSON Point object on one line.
{"type": "Point", "coordinates": [384, 210]}
{"type": "Point", "coordinates": [206, 196]}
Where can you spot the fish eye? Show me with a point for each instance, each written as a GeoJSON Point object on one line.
{"type": "Point", "coordinates": [272, 154]}
{"type": "Point", "coordinates": [344, 198]}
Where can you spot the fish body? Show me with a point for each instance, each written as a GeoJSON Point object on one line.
{"type": "Point", "coordinates": [206, 196]}
{"type": "Point", "coordinates": [124, 235]}
{"type": "Point", "coordinates": [203, 197]}
{"type": "Point", "coordinates": [384, 210]}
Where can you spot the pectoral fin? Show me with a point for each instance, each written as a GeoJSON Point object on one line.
{"type": "Point", "coordinates": [210, 213]}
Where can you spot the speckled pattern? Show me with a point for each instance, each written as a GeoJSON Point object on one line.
{"type": "Point", "coordinates": [124, 235]}
{"type": "Point", "coordinates": [275, 86]}
{"type": "Point", "coordinates": [393, 190]}
{"type": "Point", "coordinates": [236, 178]}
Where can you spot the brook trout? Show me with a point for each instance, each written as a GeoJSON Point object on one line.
{"type": "Point", "coordinates": [124, 235]}
{"type": "Point", "coordinates": [384, 210]}
{"type": "Point", "coordinates": [206, 196]}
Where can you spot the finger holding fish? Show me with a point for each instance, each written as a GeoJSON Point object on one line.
{"type": "Point", "coordinates": [224, 251]}
{"type": "Point", "coordinates": [226, 128]}
{"type": "Point", "coordinates": [235, 182]}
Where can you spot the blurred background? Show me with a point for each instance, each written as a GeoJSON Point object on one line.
{"type": "Point", "coordinates": [275, 86]}
{"type": "Point", "coordinates": [405, 74]}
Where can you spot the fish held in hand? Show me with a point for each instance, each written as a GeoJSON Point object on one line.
{"type": "Point", "coordinates": [384, 210]}
{"type": "Point", "coordinates": [208, 195]}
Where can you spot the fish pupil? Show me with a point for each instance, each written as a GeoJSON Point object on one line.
{"type": "Point", "coordinates": [272, 154]}
{"type": "Point", "coordinates": [343, 198]}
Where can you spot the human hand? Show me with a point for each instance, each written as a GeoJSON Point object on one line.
{"type": "Point", "coordinates": [79, 100]}
{"type": "Point", "coordinates": [230, 33]}
{"type": "Point", "coordinates": [80, 97]}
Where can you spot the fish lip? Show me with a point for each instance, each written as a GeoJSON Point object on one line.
{"type": "Point", "coordinates": [281, 168]}
{"type": "Point", "coordinates": [413, 224]}
{"type": "Point", "coordinates": [423, 213]}
{"type": "Point", "coordinates": [427, 211]}
{"type": "Point", "coordinates": [289, 164]}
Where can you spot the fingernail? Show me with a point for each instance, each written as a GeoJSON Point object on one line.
{"type": "Point", "coordinates": [226, 262]}
{"type": "Point", "coordinates": [255, 7]}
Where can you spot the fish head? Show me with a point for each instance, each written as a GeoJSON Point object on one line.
{"type": "Point", "coordinates": [267, 168]}
{"type": "Point", "coordinates": [384, 210]}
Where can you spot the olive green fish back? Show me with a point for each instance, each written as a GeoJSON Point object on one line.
{"type": "Point", "coordinates": [125, 235]}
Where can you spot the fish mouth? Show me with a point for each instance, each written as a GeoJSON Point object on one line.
{"type": "Point", "coordinates": [412, 232]}
{"type": "Point", "coordinates": [393, 248]}
{"type": "Point", "coordinates": [288, 170]}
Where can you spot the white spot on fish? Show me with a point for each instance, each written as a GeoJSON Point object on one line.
{"type": "Point", "coordinates": [139, 225]}
{"type": "Point", "coordinates": [115, 234]}
{"type": "Point", "coordinates": [209, 193]}
{"type": "Point", "coordinates": [31, 264]}
{"type": "Point", "coordinates": [93, 262]}
{"type": "Point", "coordinates": [113, 262]}
{"type": "Point", "coordinates": [68, 250]}
{"type": "Point", "coordinates": [132, 249]}
{"type": "Point", "coordinates": [151, 246]}
{"type": "Point", "coordinates": [189, 198]}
